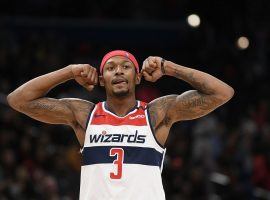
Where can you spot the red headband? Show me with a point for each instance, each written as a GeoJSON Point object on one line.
{"type": "Point", "coordinates": [119, 53]}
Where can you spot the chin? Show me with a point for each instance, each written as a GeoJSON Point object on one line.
{"type": "Point", "coordinates": [122, 93]}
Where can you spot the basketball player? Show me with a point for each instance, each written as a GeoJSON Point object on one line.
{"type": "Point", "coordinates": [122, 138]}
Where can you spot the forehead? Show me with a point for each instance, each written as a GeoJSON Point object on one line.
{"type": "Point", "coordinates": [118, 60]}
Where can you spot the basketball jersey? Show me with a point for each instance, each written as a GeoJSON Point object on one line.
{"type": "Point", "coordinates": [122, 160]}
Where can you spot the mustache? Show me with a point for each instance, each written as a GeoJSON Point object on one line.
{"type": "Point", "coordinates": [119, 79]}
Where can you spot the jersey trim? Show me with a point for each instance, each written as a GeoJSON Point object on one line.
{"type": "Point", "coordinates": [136, 120]}
{"type": "Point", "coordinates": [152, 129]}
{"type": "Point", "coordinates": [89, 119]}
{"type": "Point", "coordinates": [89, 116]}
{"type": "Point", "coordinates": [133, 110]}
{"type": "Point", "coordinates": [102, 117]}
{"type": "Point", "coordinates": [163, 158]}
{"type": "Point", "coordinates": [133, 155]}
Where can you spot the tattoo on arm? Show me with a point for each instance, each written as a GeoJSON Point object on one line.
{"type": "Point", "coordinates": [202, 86]}
{"type": "Point", "coordinates": [153, 116]}
{"type": "Point", "coordinates": [158, 109]}
{"type": "Point", "coordinates": [210, 93]}
{"type": "Point", "coordinates": [166, 110]}
{"type": "Point", "coordinates": [192, 100]}
{"type": "Point", "coordinates": [49, 110]}
{"type": "Point", "coordinates": [193, 104]}
{"type": "Point", "coordinates": [42, 104]}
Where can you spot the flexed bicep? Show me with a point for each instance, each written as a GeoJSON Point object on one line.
{"type": "Point", "coordinates": [49, 110]}
{"type": "Point", "coordinates": [193, 104]}
{"type": "Point", "coordinates": [189, 105]}
{"type": "Point", "coordinates": [67, 111]}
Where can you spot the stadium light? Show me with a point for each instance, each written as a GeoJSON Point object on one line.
{"type": "Point", "coordinates": [242, 42]}
{"type": "Point", "coordinates": [193, 20]}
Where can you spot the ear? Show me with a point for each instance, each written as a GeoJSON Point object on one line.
{"type": "Point", "coordinates": [138, 78]}
{"type": "Point", "coordinates": [101, 81]}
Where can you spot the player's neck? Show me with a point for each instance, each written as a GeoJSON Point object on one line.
{"type": "Point", "coordinates": [121, 106]}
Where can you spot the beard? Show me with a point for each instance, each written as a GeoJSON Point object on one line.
{"type": "Point", "coordinates": [122, 93]}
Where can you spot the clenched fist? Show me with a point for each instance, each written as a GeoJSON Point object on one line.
{"type": "Point", "coordinates": [151, 69]}
{"type": "Point", "coordinates": [85, 75]}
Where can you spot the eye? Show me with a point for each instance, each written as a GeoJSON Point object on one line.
{"type": "Point", "coordinates": [126, 66]}
{"type": "Point", "coordinates": [110, 68]}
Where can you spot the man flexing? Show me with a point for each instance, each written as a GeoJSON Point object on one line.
{"type": "Point", "coordinates": [122, 167]}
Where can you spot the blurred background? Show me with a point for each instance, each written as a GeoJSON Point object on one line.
{"type": "Point", "coordinates": [224, 155]}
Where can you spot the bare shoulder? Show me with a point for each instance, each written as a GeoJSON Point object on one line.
{"type": "Point", "coordinates": [158, 109]}
{"type": "Point", "coordinates": [81, 109]}
{"type": "Point", "coordinates": [160, 120]}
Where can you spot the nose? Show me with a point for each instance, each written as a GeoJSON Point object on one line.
{"type": "Point", "coordinates": [119, 70]}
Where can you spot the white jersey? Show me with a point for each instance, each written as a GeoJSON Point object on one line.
{"type": "Point", "coordinates": [122, 159]}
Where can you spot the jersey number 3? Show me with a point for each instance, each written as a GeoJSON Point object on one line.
{"type": "Point", "coordinates": [119, 153]}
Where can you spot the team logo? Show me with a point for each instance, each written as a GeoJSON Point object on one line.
{"type": "Point", "coordinates": [137, 117]}
{"type": "Point", "coordinates": [104, 137]}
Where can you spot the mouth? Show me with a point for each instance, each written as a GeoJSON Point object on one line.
{"type": "Point", "coordinates": [119, 81]}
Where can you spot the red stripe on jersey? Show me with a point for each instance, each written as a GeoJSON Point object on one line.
{"type": "Point", "coordinates": [137, 118]}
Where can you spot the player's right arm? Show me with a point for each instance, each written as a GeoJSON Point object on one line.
{"type": "Point", "coordinates": [30, 98]}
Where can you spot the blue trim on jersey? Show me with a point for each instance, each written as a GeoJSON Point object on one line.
{"type": "Point", "coordinates": [152, 129]}
{"type": "Point", "coordinates": [132, 155]}
{"type": "Point", "coordinates": [89, 116]}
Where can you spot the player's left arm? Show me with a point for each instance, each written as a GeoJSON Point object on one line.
{"type": "Point", "coordinates": [209, 93]}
